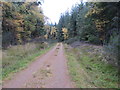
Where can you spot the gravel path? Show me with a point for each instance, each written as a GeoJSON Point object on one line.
{"type": "Point", "coordinates": [48, 71]}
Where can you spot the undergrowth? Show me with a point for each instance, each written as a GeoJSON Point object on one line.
{"type": "Point", "coordinates": [87, 69]}
{"type": "Point", "coordinates": [18, 57]}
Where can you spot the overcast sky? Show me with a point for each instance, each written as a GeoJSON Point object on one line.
{"type": "Point", "coordinates": [53, 8]}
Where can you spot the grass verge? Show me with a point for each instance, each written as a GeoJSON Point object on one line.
{"type": "Point", "coordinates": [18, 57]}
{"type": "Point", "coordinates": [87, 70]}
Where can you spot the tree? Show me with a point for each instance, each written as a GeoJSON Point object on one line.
{"type": "Point", "coordinates": [21, 22]}
{"type": "Point", "coordinates": [60, 25]}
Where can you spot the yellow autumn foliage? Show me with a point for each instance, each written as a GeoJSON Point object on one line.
{"type": "Point", "coordinates": [19, 29]}
{"type": "Point", "coordinates": [46, 36]}
{"type": "Point", "coordinates": [53, 30]}
{"type": "Point", "coordinates": [65, 32]}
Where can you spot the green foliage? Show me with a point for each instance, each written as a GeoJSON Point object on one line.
{"type": "Point", "coordinates": [95, 22]}
{"type": "Point", "coordinates": [71, 40]}
{"type": "Point", "coordinates": [93, 39]}
{"type": "Point", "coordinates": [73, 22]}
{"type": "Point", "coordinates": [61, 25]}
{"type": "Point", "coordinates": [113, 50]}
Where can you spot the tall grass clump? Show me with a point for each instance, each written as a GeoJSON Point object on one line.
{"type": "Point", "coordinates": [17, 57]}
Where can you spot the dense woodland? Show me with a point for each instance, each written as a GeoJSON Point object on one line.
{"type": "Point", "coordinates": [28, 34]}
{"type": "Point", "coordinates": [21, 22]}
{"type": "Point", "coordinates": [95, 23]}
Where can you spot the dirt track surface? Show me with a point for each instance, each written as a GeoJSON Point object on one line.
{"type": "Point", "coordinates": [48, 71]}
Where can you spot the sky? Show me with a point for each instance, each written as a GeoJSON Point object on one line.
{"type": "Point", "coordinates": [53, 8]}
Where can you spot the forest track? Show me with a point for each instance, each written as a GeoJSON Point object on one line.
{"type": "Point", "coordinates": [48, 71]}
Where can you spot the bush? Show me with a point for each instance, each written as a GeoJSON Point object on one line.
{"type": "Point", "coordinates": [69, 41]}
{"type": "Point", "coordinates": [94, 39]}
{"type": "Point", "coordinates": [113, 50]}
